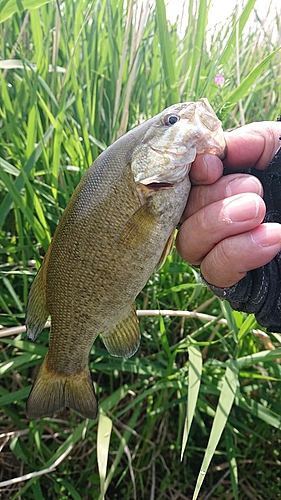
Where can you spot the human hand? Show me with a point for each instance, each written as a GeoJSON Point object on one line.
{"type": "Point", "coordinates": [222, 228]}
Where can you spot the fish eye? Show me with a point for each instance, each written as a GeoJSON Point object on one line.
{"type": "Point", "coordinates": [171, 119]}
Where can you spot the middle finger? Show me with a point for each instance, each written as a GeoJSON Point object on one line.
{"type": "Point", "coordinates": [230, 185]}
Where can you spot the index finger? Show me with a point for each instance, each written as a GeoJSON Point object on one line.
{"type": "Point", "coordinates": [253, 145]}
{"type": "Point", "coordinates": [206, 169]}
{"type": "Point", "coordinates": [249, 146]}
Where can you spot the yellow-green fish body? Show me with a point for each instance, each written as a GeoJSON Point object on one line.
{"type": "Point", "coordinates": [117, 228]}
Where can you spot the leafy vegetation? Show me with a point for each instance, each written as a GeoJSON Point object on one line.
{"type": "Point", "coordinates": [196, 412]}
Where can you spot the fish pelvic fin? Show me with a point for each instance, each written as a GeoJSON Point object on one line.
{"type": "Point", "coordinates": [167, 250]}
{"type": "Point", "coordinates": [53, 392]}
{"type": "Point", "coordinates": [37, 312]}
{"type": "Point", "coordinates": [124, 338]}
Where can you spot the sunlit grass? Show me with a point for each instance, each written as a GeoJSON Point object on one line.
{"type": "Point", "coordinates": [201, 395]}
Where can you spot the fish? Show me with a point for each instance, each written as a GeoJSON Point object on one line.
{"type": "Point", "coordinates": [117, 228]}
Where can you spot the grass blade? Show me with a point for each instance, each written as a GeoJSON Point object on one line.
{"type": "Point", "coordinates": [18, 185]}
{"type": "Point", "coordinates": [194, 380]}
{"type": "Point", "coordinates": [103, 440]}
{"type": "Point", "coordinates": [167, 56]}
{"type": "Point", "coordinates": [242, 89]}
{"type": "Point", "coordinates": [228, 393]}
{"type": "Point", "coordinates": [230, 447]}
{"type": "Point", "coordinates": [12, 6]}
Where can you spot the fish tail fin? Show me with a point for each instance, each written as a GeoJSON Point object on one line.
{"type": "Point", "coordinates": [53, 392]}
{"type": "Point", "coordinates": [36, 312]}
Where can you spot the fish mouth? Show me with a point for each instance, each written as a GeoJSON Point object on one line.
{"type": "Point", "coordinates": [157, 186]}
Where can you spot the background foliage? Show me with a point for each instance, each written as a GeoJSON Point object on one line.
{"type": "Point", "coordinates": [200, 400]}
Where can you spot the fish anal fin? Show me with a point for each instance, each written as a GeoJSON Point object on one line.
{"type": "Point", "coordinates": [166, 251]}
{"type": "Point", "coordinates": [123, 340]}
{"type": "Point", "coordinates": [139, 227]}
{"type": "Point", "coordinates": [37, 312]}
{"type": "Point", "coordinates": [53, 392]}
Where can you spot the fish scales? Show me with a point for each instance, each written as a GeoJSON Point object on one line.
{"type": "Point", "coordinates": [117, 228]}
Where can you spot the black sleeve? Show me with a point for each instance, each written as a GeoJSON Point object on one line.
{"type": "Point", "coordinates": [259, 292]}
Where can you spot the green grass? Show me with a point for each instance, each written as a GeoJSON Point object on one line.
{"type": "Point", "coordinates": [196, 412]}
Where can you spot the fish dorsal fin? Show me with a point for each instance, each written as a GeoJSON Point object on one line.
{"type": "Point", "coordinates": [124, 338]}
{"type": "Point", "coordinates": [166, 251]}
{"type": "Point", "coordinates": [139, 227]}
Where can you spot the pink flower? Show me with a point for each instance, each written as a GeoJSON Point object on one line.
{"type": "Point", "coordinates": [219, 79]}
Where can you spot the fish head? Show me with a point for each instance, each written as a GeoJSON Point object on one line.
{"type": "Point", "coordinates": [171, 141]}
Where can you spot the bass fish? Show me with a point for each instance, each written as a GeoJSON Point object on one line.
{"type": "Point", "coordinates": [116, 230]}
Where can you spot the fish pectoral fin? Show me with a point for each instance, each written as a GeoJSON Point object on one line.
{"type": "Point", "coordinates": [53, 392]}
{"type": "Point", "coordinates": [166, 251]}
{"type": "Point", "coordinates": [37, 312]}
{"type": "Point", "coordinates": [123, 340]}
{"type": "Point", "coordinates": [139, 227]}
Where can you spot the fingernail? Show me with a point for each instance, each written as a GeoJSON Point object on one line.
{"type": "Point", "coordinates": [246, 184]}
{"type": "Point", "coordinates": [242, 209]}
{"type": "Point", "coordinates": [267, 235]}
